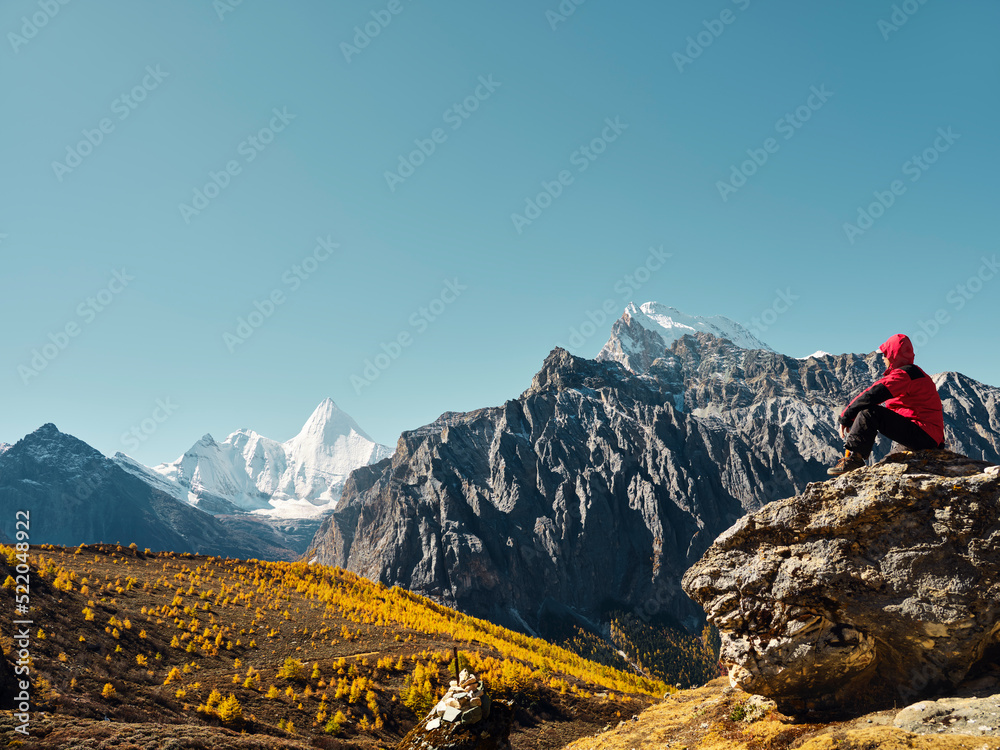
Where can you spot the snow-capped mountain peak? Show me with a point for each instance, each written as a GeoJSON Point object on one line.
{"type": "Point", "coordinates": [670, 323]}
{"type": "Point", "coordinates": [646, 332]}
{"type": "Point", "coordinates": [299, 478]}
{"type": "Point", "coordinates": [327, 423]}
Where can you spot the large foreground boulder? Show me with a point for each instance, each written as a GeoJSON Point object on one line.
{"type": "Point", "coordinates": [871, 590]}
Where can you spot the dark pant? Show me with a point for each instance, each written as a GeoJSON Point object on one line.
{"type": "Point", "coordinates": [877, 419]}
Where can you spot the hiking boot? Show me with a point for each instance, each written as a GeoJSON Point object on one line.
{"type": "Point", "coordinates": [849, 462]}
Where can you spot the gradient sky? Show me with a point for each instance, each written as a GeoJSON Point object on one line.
{"type": "Point", "coordinates": [865, 94]}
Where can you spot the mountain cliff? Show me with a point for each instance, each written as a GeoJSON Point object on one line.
{"type": "Point", "coordinates": [600, 485]}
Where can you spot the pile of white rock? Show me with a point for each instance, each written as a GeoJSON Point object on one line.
{"type": "Point", "coordinates": [462, 704]}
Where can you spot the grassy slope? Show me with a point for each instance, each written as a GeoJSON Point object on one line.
{"type": "Point", "coordinates": [213, 624]}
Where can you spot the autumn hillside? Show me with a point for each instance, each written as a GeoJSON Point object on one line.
{"type": "Point", "coordinates": [181, 651]}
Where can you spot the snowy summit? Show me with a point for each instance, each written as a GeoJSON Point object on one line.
{"type": "Point", "coordinates": [299, 478]}
{"type": "Point", "coordinates": [670, 323]}
{"type": "Point", "coordinates": [645, 332]}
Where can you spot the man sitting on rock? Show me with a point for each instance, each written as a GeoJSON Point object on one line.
{"type": "Point", "coordinates": [911, 414]}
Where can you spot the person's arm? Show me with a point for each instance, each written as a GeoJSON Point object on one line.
{"type": "Point", "coordinates": [879, 391]}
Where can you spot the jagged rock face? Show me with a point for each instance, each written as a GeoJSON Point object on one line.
{"type": "Point", "coordinates": [971, 414]}
{"type": "Point", "coordinates": [599, 484]}
{"type": "Point", "coordinates": [577, 493]}
{"type": "Point", "coordinates": [75, 495]}
{"type": "Point", "coordinates": [876, 588]}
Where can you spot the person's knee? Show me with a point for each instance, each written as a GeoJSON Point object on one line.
{"type": "Point", "coordinates": [867, 414]}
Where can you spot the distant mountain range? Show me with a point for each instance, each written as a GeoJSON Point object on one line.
{"type": "Point", "coordinates": [74, 494]}
{"type": "Point", "coordinates": [300, 478]}
{"type": "Point", "coordinates": [598, 486]}
{"type": "Point", "coordinates": [593, 491]}
{"type": "Point", "coordinates": [248, 496]}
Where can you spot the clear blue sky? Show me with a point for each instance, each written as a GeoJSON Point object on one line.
{"type": "Point", "coordinates": [184, 89]}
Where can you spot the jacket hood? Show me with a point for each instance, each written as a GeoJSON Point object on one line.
{"type": "Point", "coordinates": [899, 350]}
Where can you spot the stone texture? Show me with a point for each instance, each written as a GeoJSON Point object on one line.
{"type": "Point", "coordinates": [863, 592]}
{"type": "Point", "coordinates": [462, 703]}
{"type": "Point", "coordinates": [490, 733]}
{"type": "Point", "coordinates": [970, 716]}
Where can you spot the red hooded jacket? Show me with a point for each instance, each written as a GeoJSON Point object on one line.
{"type": "Point", "coordinates": [904, 388]}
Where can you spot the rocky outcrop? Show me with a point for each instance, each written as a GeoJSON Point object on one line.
{"type": "Point", "coordinates": [979, 717]}
{"type": "Point", "coordinates": [877, 588]}
{"type": "Point", "coordinates": [465, 702]}
{"type": "Point", "coordinates": [491, 732]}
